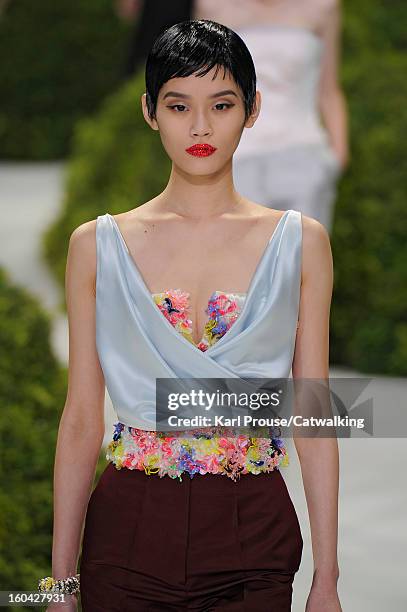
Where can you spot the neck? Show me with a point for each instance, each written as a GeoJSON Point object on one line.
{"type": "Point", "coordinates": [199, 197]}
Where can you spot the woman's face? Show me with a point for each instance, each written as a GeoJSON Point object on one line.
{"type": "Point", "coordinates": [200, 110]}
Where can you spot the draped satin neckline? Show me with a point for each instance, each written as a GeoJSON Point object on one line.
{"type": "Point", "coordinates": [163, 320]}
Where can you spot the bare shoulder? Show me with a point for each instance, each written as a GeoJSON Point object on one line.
{"type": "Point", "coordinates": [323, 10]}
{"type": "Point", "coordinates": [81, 260]}
{"type": "Point", "coordinates": [83, 239]}
{"type": "Point", "coordinates": [139, 217]}
{"type": "Point", "coordinates": [262, 213]}
{"type": "Point", "coordinates": [326, 5]}
{"type": "Point", "coordinates": [316, 248]}
{"type": "Point", "coordinates": [330, 7]}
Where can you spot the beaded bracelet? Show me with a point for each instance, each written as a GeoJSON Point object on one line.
{"type": "Point", "coordinates": [67, 585]}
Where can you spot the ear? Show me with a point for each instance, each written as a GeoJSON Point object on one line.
{"type": "Point", "coordinates": [251, 120]}
{"type": "Point", "coordinates": [151, 122]}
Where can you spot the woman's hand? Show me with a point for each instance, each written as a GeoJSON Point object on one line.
{"type": "Point", "coordinates": [323, 597]}
{"type": "Point", "coordinates": [340, 158]}
{"type": "Point", "coordinates": [343, 161]}
{"type": "Point", "coordinates": [69, 605]}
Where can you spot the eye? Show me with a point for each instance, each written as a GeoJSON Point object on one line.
{"type": "Point", "coordinates": [182, 106]}
{"type": "Point", "coordinates": [177, 106]}
{"type": "Point", "coordinates": [224, 104]}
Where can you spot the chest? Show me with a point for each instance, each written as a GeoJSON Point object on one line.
{"type": "Point", "coordinates": [199, 283]}
{"type": "Point", "coordinates": [204, 328]}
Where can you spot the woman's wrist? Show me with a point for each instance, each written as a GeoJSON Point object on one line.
{"type": "Point", "coordinates": [64, 565]}
{"type": "Point", "coordinates": [67, 585]}
{"type": "Point", "coordinates": [326, 578]}
{"type": "Point", "coordinates": [62, 572]}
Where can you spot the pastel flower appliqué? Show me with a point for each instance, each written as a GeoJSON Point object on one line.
{"type": "Point", "coordinates": [210, 451]}
{"type": "Point", "coordinates": [223, 309]}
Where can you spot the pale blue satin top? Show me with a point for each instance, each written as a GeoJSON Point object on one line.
{"type": "Point", "coordinates": [136, 344]}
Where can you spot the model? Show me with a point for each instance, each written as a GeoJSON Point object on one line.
{"type": "Point", "coordinates": [298, 149]}
{"type": "Point", "coordinates": [199, 282]}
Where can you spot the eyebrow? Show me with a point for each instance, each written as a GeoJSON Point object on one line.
{"type": "Point", "coordinates": [177, 94]}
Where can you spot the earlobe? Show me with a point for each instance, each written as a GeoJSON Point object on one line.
{"type": "Point", "coordinates": [258, 103]}
{"type": "Point", "coordinates": [256, 111]}
{"type": "Point", "coordinates": [151, 122]}
{"type": "Point", "coordinates": [257, 107]}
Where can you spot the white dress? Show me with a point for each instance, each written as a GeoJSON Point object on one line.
{"type": "Point", "coordinates": [285, 161]}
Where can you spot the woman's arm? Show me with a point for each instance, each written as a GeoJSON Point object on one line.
{"type": "Point", "coordinates": [81, 427]}
{"type": "Point", "coordinates": [332, 103]}
{"type": "Point", "coordinates": [318, 456]}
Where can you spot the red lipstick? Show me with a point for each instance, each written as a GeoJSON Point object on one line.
{"type": "Point", "coordinates": [201, 150]}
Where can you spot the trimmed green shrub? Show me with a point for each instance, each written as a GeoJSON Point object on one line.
{"type": "Point", "coordinates": [369, 320]}
{"type": "Point", "coordinates": [59, 60]}
{"type": "Point", "coordinates": [32, 386]}
{"type": "Point", "coordinates": [118, 163]}
{"type": "Point", "coordinates": [32, 396]}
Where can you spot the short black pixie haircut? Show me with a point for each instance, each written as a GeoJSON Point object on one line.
{"type": "Point", "coordinates": [196, 46]}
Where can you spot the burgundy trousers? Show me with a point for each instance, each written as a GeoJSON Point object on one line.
{"type": "Point", "coordinates": [207, 544]}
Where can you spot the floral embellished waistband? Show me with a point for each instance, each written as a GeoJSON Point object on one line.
{"type": "Point", "coordinates": [215, 450]}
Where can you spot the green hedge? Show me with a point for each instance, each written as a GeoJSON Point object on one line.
{"type": "Point", "coordinates": [368, 318]}
{"type": "Point", "coordinates": [59, 60]}
{"type": "Point", "coordinates": [32, 396]}
{"type": "Point", "coordinates": [32, 387]}
{"type": "Point", "coordinates": [369, 321]}
{"type": "Point", "coordinates": [118, 163]}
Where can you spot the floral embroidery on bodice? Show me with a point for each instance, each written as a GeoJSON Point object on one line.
{"type": "Point", "coordinates": [210, 450]}
{"type": "Point", "coordinates": [223, 309]}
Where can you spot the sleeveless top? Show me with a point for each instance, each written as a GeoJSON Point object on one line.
{"type": "Point", "coordinates": [288, 64]}
{"type": "Point", "coordinates": [142, 336]}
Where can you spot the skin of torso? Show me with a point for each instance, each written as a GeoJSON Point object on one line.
{"type": "Point", "coordinates": [197, 256]}
{"type": "Point", "coordinates": [310, 14]}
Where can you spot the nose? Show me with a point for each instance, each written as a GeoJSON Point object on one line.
{"type": "Point", "coordinates": [200, 126]}
{"type": "Point", "coordinates": [201, 132]}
